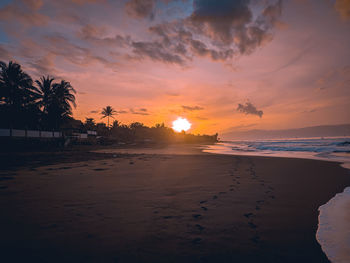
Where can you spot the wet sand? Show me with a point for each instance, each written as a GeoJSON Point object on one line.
{"type": "Point", "coordinates": [184, 207]}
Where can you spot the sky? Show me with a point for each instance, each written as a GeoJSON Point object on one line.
{"type": "Point", "coordinates": [227, 65]}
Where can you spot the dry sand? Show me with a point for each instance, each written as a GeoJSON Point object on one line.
{"type": "Point", "coordinates": [180, 207]}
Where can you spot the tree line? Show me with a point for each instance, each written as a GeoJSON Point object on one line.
{"type": "Point", "coordinates": [46, 104]}
{"type": "Point", "coordinates": [28, 104]}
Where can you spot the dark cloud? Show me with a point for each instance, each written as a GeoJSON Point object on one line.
{"type": "Point", "coordinates": [218, 19]}
{"type": "Point", "coordinates": [231, 23]}
{"type": "Point", "coordinates": [155, 51]}
{"type": "Point", "coordinates": [218, 30]}
{"type": "Point", "coordinates": [121, 111]}
{"type": "Point", "coordinates": [192, 108]}
{"type": "Point", "coordinates": [140, 8]}
{"type": "Point", "coordinates": [140, 111]}
{"type": "Point", "coordinates": [96, 35]}
{"type": "Point", "coordinates": [249, 108]}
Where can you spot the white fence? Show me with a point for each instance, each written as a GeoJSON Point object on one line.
{"type": "Point", "coordinates": [29, 133]}
{"type": "Point", "coordinates": [41, 134]}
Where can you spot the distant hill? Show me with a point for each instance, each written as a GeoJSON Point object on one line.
{"type": "Point", "coordinates": [314, 131]}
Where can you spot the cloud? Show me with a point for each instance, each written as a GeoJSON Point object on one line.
{"type": "Point", "coordinates": [192, 108]}
{"type": "Point", "coordinates": [155, 51]}
{"type": "Point", "coordinates": [24, 12]}
{"type": "Point", "coordinates": [121, 111]}
{"type": "Point", "coordinates": [44, 65]}
{"type": "Point", "coordinates": [140, 8]}
{"type": "Point", "coordinates": [4, 54]}
{"type": "Point", "coordinates": [249, 108]}
{"type": "Point", "coordinates": [218, 30]}
{"type": "Point", "coordinates": [231, 23]}
{"type": "Point", "coordinates": [96, 35]}
{"type": "Point", "coordinates": [140, 111]}
{"type": "Point", "coordinates": [343, 8]}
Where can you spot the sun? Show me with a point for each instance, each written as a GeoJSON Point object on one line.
{"type": "Point", "coordinates": [181, 124]}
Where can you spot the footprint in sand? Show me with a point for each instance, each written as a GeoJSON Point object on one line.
{"type": "Point", "coordinates": [196, 240]}
{"type": "Point", "coordinates": [248, 215]}
{"type": "Point", "coordinates": [197, 216]}
{"type": "Point", "coordinates": [257, 207]}
{"type": "Point", "coordinates": [202, 202]}
{"type": "Point", "coordinates": [199, 227]}
{"type": "Point", "coordinates": [215, 197]}
{"type": "Point", "coordinates": [252, 225]}
{"type": "Point", "coordinates": [255, 239]}
{"type": "Point", "coordinates": [99, 169]}
{"type": "Point", "coordinates": [204, 208]}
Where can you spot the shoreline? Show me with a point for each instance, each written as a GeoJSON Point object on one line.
{"type": "Point", "coordinates": [252, 229]}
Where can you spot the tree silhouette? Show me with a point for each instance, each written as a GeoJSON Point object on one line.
{"type": "Point", "coordinates": [55, 100]}
{"type": "Point", "coordinates": [62, 101]}
{"type": "Point", "coordinates": [89, 124]}
{"type": "Point", "coordinates": [108, 112]}
{"type": "Point", "coordinates": [17, 93]}
{"type": "Point", "coordinates": [45, 87]}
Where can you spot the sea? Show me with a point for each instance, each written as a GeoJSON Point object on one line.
{"type": "Point", "coordinates": [333, 233]}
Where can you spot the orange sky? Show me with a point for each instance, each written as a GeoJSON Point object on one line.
{"type": "Point", "coordinates": [197, 59]}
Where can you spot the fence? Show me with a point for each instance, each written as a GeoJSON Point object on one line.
{"type": "Point", "coordinates": [29, 133]}
{"type": "Point", "coordinates": [41, 134]}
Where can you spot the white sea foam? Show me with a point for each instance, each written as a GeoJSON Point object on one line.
{"type": "Point", "coordinates": [333, 231]}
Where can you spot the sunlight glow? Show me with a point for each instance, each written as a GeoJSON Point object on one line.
{"type": "Point", "coordinates": [181, 124]}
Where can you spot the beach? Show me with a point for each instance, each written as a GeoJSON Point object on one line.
{"type": "Point", "coordinates": [164, 205]}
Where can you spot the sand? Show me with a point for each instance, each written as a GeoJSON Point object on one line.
{"type": "Point", "coordinates": [151, 207]}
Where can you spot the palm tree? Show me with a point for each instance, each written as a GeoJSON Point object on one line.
{"type": "Point", "coordinates": [56, 100]}
{"type": "Point", "coordinates": [89, 123]}
{"type": "Point", "coordinates": [64, 96]}
{"type": "Point", "coordinates": [62, 101]}
{"type": "Point", "coordinates": [108, 112]}
{"type": "Point", "coordinates": [45, 87]}
{"type": "Point", "coordinates": [17, 92]}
